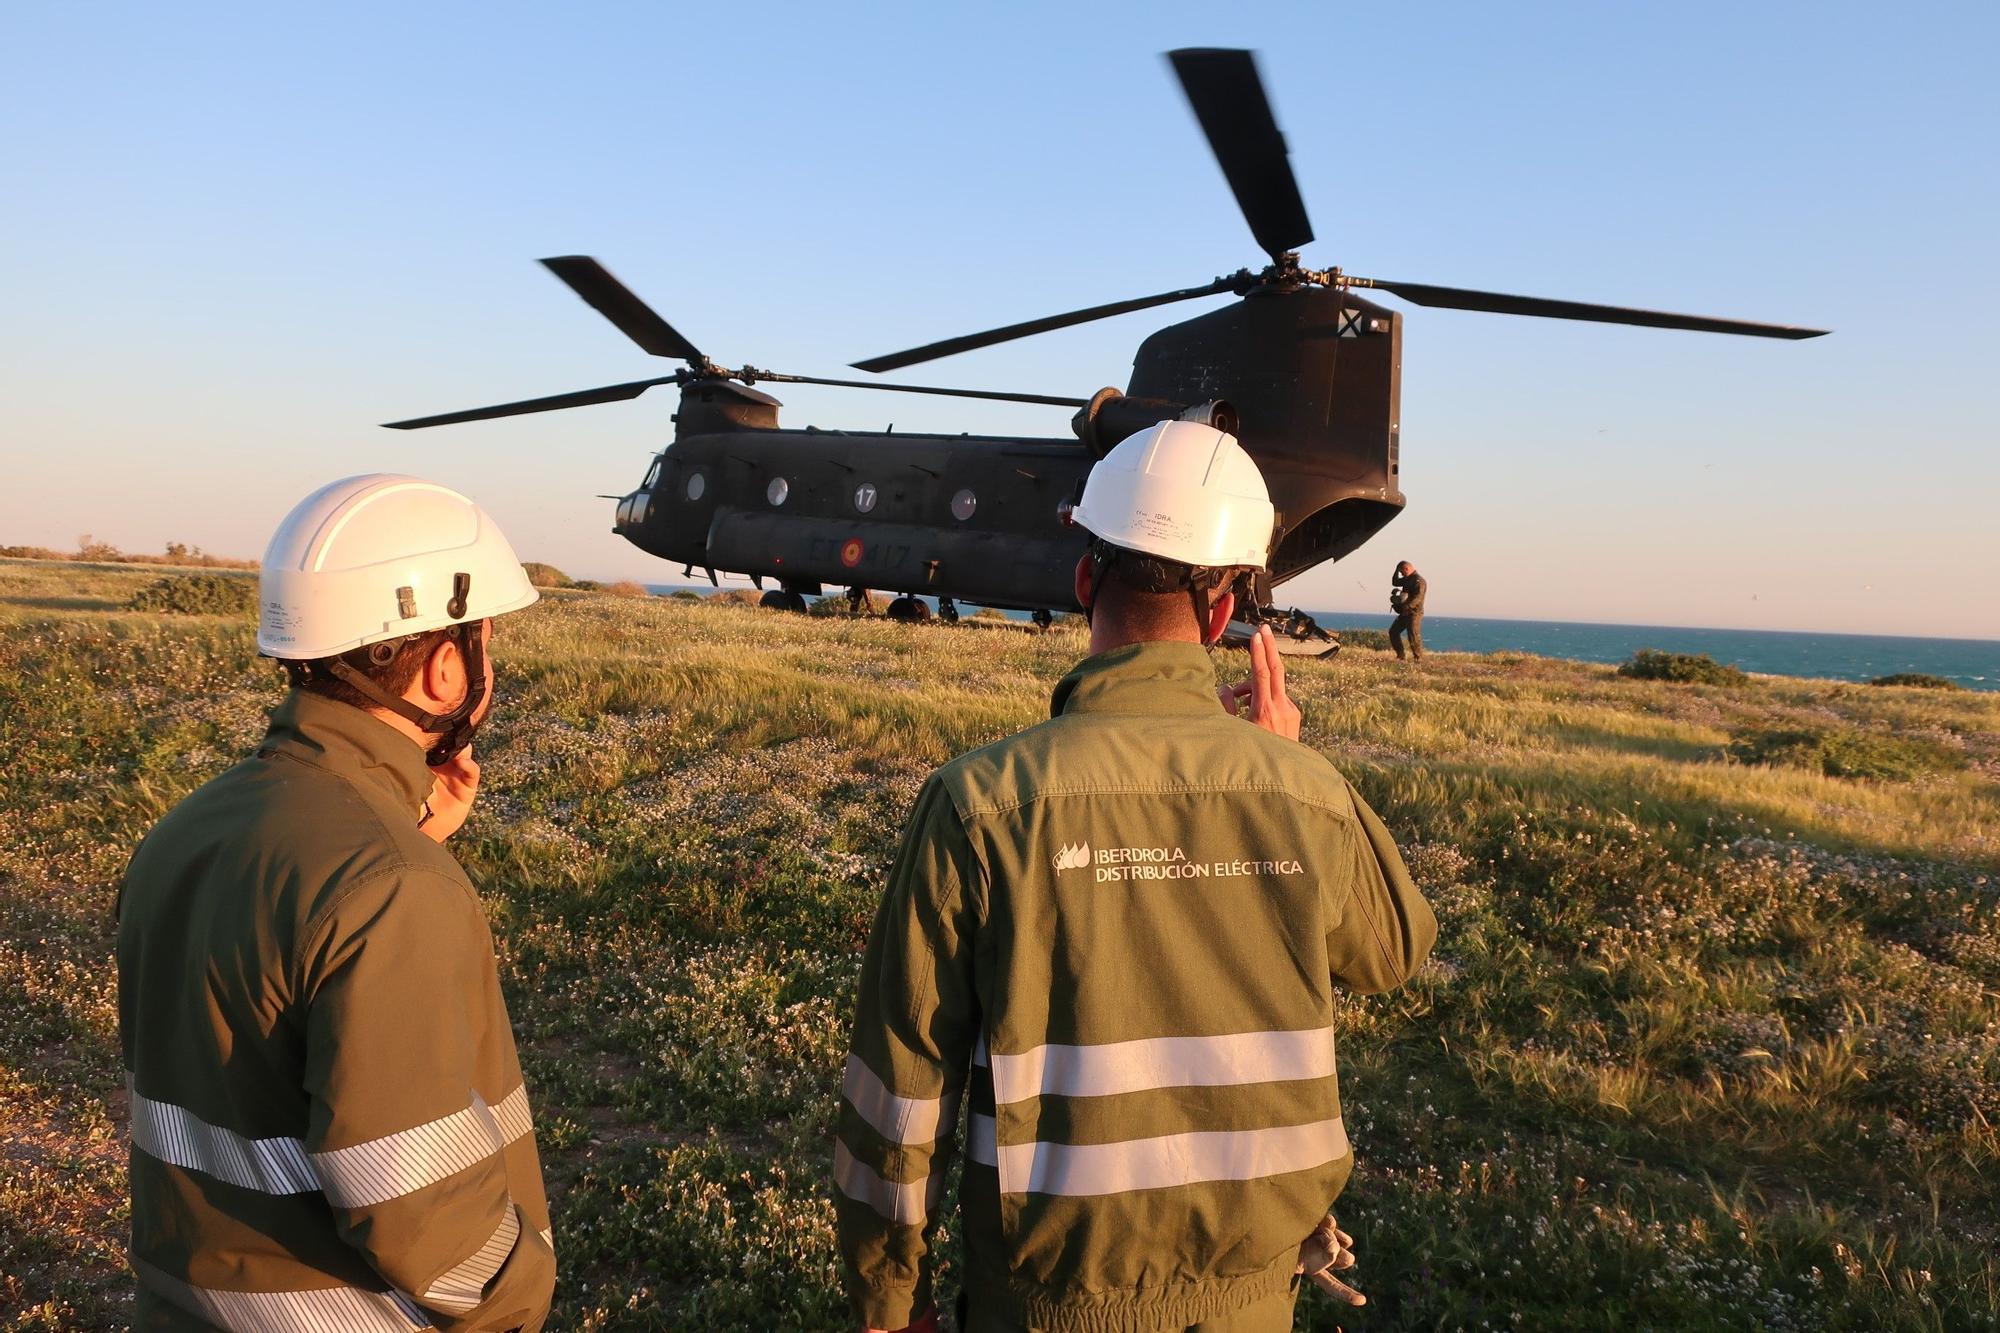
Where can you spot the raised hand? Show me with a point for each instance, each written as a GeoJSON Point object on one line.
{"type": "Point", "coordinates": [1263, 695]}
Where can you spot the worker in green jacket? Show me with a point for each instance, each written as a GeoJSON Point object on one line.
{"type": "Point", "coordinates": [329, 1128]}
{"type": "Point", "coordinates": [1115, 939]}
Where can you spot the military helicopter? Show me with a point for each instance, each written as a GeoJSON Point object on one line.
{"type": "Point", "coordinates": [1303, 371]}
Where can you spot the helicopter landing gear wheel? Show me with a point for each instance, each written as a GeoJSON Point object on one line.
{"type": "Point", "coordinates": [909, 610]}
{"type": "Point", "coordinates": [947, 611]}
{"type": "Point", "coordinates": [1043, 619]}
{"type": "Point", "coordinates": [782, 600]}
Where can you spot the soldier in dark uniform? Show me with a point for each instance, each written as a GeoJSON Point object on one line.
{"type": "Point", "coordinates": [1406, 599]}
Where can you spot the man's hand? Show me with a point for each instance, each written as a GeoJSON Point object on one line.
{"type": "Point", "coordinates": [1264, 693]}
{"type": "Point", "coordinates": [927, 1322]}
{"type": "Point", "coordinates": [451, 798]}
{"type": "Point", "coordinates": [1327, 1251]}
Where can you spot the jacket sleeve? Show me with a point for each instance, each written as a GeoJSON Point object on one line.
{"type": "Point", "coordinates": [914, 1027]}
{"type": "Point", "coordinates": [418, 1110]}
{"type": "Point", "coordinates": [1383, 929]}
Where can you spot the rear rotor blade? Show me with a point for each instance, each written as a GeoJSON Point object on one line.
{"type": "Point", "coordinates": [994, 394]}
{"type": "Point", "coordinates": [1228, 99]}
{"type": "Point", "coordinates": [613, 300]}
{"type": "Point", "coordinates": [610, 393]}
{"type": "Point", "coordinates": [1498, 303]}
{"type": "Point", "coordinates": [953, 346]}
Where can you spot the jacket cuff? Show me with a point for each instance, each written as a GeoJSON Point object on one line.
{"type": "Point", "coordinates": [892, 1307]}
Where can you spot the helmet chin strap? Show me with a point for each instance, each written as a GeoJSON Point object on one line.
{"type": "Point", "coordinates": [457, 725]}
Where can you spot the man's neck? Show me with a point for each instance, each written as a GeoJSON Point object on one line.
{"type": "Point", "coordinates": [423, 740]}
{"type": "Point", "coordinates": [1104, 636]}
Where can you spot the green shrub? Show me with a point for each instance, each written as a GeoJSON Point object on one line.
{"type": "Point", "coordinates": [546, 576]}
{"type": "Point", "coordinates": [197, 595]}
{"type": "Point", "coordinates": [1377, 639]}
{"type": "Point", "coordinates": [1683, 668]}
{"type": "Point", "coordinates": [1847, 752]}
{"type": "Point", "coordinates": [1921, 680]}
{"type": "Point", "coordinates": [686, 595]}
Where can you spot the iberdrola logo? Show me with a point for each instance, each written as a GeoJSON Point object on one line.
{"type": "Point", "coordinates": [1073, 857]}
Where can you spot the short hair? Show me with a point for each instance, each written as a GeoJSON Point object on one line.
{"type": "Point", "coordinates": [1150, 595]}
{"type": "Point", "coordinates": [405, 657]}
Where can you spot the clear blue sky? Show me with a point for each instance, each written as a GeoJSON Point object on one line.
{"type": "Point", "coordinates": [235, 237]}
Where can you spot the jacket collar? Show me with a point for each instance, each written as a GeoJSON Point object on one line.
{"type": "Point", "coordinates": [1159, 677]}
{"type": "Point", "coordinates": [343, 739]}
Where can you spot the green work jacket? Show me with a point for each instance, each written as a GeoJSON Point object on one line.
{"type": "Point", "coordinates": [329, 1129]}
{"type": "Point", "coordinates": [1116, 937]}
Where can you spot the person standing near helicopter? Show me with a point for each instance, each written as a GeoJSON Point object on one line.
{"type": "Point", "coordinates": [1406, 599]}
{"type": "Point", "coordinates": [329, 1129]}
{"type": "Point", "coordinates": [1116, 938]}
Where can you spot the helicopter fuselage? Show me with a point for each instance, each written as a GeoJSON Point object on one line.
{"type": "Point", "coordinates": [1308, 380]}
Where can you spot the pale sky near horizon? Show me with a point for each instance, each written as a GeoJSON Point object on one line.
{"type": "Point", "coordinates": [237, 237]}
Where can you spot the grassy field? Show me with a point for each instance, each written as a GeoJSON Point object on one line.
{"type": "Point", "coordinates": [1706, 1044]}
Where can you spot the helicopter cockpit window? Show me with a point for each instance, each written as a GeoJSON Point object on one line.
{"type": "Point", "coordinates": [652, 476]}
{"type": "Point", "coordinates": [864, 497]}
{"type": "Point", "coordinates": [778, 490]}
{"type": "Point", "coordinates": [963, 504]}
{"type": "Point", "coordinates": [697, 484]}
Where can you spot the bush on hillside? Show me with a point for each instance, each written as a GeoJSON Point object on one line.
{"type": "Point", "coordinates": [1682, 668]}
{"type": "Point", "coordinates": [1377, 639]}
{"type": "Point", "coordinates": [197, 595]}
{"type": "Point", "coordinates": [1920, 680]}
{"type": "Point", "coordinates": [686, 595]}
{"type": "Point", "coordinates": [92, 551]}
{"type": "Point", "coordinates": [546, 576]}
{"type": "Point", "coordinates": [626, 588]}
{"type": "Point", "coordinates": [988, 613]}
{"type": "Point", "coordinates": [1847, 752]}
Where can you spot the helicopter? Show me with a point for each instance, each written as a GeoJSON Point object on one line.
{"type": "Point", "coordinates": [1305, 372]}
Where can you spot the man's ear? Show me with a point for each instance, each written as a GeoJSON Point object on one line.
{"type": "Point", "coordinates": [1219, 612]}
{"type": "Point", "coordinates": [443, 677]}
{"type": "Point", "coordinates": [1085, 593]}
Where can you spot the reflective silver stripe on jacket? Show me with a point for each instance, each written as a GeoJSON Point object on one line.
{"type": "Point", "coordinates": [322, 1310]}
{"type": "Point", "coordinates": [896, 1118]}
{"type": "Point", "coordinates": [1079, 1169]}
{"type": "Point", "coordinates": [353, 1177]}
{"type": "Point", "coordinates": [180, 1138]}
{"type": "Point", "coordinates": [904, 1203]}
{"type": "Point", "coordinates": [1161, 1062]}
{"type": "Point", "coordinates": [413, 1159]}
{"type": "Point", "coordinates": [461, 1287]}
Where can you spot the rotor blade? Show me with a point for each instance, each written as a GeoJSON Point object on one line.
{"type": "Point", "coordinates": [1228, 99]}
{"type": "Point", "coordinates": [1461, 298]}
{"type": "Point", "coordinates": [610, 393]}
{"type": "Point", "coordinates": [994, 394]}
{"type": "Point", "coordinates": [953, 346]}
{"type": "Point", "coordinates": [613, 300]}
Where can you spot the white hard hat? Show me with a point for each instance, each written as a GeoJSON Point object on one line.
{"type": "Point", "coordinates": [1182, 491]}
{"type": "Point", "coordinates": [377, 557]}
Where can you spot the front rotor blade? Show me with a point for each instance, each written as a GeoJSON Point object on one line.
{"type": "Point", "coordinates": [610, 393]}
{"type": "Point", "coordinates": [1498, 303]}
{"type": "Point", "coordinates": [613, 300]}
{"type": "Point", "coordinates": [994, 394]}
{"type": "Point", "coordinates": [953, 346]}
{"type": "Point", "coordinates": [1228, 99]}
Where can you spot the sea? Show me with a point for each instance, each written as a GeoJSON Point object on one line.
{"type": "Point", "coordinates": [1972, 663]}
